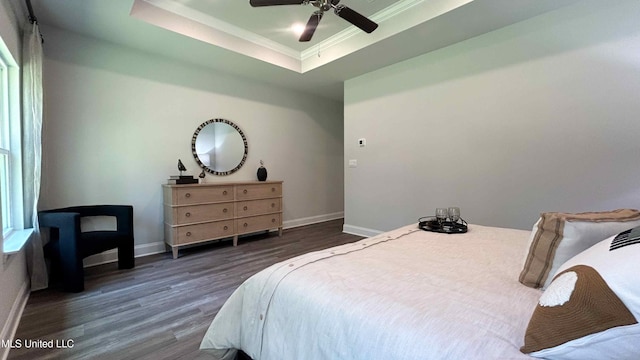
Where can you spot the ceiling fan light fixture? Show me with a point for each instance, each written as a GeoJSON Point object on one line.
{"type": "Point", "coordinates": [297, 28]}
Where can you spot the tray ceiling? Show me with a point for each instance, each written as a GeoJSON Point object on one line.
{"type": "Point", "coordinates": [232, 36]}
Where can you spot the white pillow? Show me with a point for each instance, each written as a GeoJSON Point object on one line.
{"type": "Point", "coordinates": [592, 307]}
{"type": "Point", "coordinates": [557, 237]}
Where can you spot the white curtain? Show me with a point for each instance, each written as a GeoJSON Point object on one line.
{"type": "Point", "coordinates": [32, 151]}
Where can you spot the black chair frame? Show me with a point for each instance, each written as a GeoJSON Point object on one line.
{"type": "Point", "coordinates": [68, 245]}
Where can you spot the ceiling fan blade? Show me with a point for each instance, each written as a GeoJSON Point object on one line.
{"type": "Point", "coordinates": [256, 3]}
{"type": "Point", "coordinates": [312, 24]}
{"type": "Point", "coordinates": [355, 18]}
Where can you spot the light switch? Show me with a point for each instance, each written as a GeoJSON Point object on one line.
{"type": "Point", "coordinates": [362, 142]}
{"type": "Point", "coordinates": [353, 163]}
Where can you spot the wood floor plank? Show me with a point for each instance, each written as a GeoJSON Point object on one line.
{"type": "Point", "coordinates": [161, 308]}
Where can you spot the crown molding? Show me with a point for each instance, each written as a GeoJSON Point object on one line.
{"type": "Point", "coordinates": [339, 38]}
{"type": "Point", "coordinates": [215, 23]}
{"type": "Point", "coordinates": [402, 15]}
{"type": "Point", "coordinates": [344, 35]}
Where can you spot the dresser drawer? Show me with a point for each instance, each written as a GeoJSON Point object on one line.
{"type": "Point", "coordinates": [199, 232]}
{"type": "Point", "coordinates": [257, 207]}
{"type": "Point", "coordinates": [258, 191]}
{"type": "Point", "coordinates": [199, 213]}
{"type": "Point", "coordinates": [199, 195]}
{"type": "Point", "coordinates": [257, 223]}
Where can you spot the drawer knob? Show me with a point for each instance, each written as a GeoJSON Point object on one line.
{"type": "Point", "coordinates": [224, 210]}
{"type": "Point", "coordinates": [273, 204]}
{"type": "Point", "coordinates": [224, 192]}
{"type": "Point", "coordinates": [273, 220]}
{"type": "Point", "coordinates": [188, 233]}
{"type": "Point", "coordinates": [244, 191]}
{"type": "Point", "coordinates": [187, 214]}
{"type": "Point", "coordinates": [245, 225]}
{"type": "Point", "coordinates": [273, 189]}
{"type": "Point", "coordinates": [187, 195]}
{"type": "Point", "coordinates": [245, 208]}
{"type": "Point", "coordinates": [226, 227]}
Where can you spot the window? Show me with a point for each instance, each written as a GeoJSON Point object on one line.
{"type": "Point", "coordinates": [5, 152]}
{"type": "Point", "coordinates": [13, 233]}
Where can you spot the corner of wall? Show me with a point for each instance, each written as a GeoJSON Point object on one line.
{"type": "Point", "coordinates": [360, 231]}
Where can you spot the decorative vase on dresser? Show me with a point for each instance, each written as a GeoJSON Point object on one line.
{"type": "Point", "coordinates": [202, 212]}
{"type": "Point", "coordinates": [262, 172]}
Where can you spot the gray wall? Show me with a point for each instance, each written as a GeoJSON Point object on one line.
{"type": "Point", "coordinates": [117, 120]}
{"type": "Point", "coordinates": [539, 116]}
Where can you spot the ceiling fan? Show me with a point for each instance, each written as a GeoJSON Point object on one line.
{"type": "Point", "coordinates": [344, 12]}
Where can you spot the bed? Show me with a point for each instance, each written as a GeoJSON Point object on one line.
{"type": "Point", "coordinates": [404, 294]}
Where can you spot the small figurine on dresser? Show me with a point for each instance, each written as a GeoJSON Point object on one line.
{"type": "Point", "coordinates": [181, 167]}
{"type": "Point", "coordinates": [181, 179]}
{"type": "Point", "coordinates": [262, 172]}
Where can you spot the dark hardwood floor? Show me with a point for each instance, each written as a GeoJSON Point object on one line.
{"type": "Point", "coordinates": [162, 308]}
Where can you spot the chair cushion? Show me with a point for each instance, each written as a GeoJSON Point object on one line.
{"type": "Point", "coordinates": [95, 242]}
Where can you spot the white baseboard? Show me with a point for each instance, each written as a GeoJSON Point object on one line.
{"type": "Point", "coordinates": [159, 247]}
{"type": "Point", "coordinates": [312, 220]}
{"type": "Point", "coordinates": [356, 230]}
{"type": "Point", "coordinates": [112, 255]}
{"type": "Point", "coordinates": [10, 327]}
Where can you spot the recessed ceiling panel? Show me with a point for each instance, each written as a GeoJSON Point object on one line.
{"type": "Point", "coordinates": [271, 22]}
{"type": "Point", "coordinates": [265, 32]}
{"type": "Point", "coordinates": [230, 36]}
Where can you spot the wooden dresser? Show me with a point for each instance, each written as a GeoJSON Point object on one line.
{"type": "Point", "coordinates": [203, 212]}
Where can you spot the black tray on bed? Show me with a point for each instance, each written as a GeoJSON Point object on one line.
{"type": "Point", "coordinates": [446, 227]}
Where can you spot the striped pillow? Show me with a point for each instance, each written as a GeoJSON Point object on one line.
{"type": "Point", "coordinates": [557, 237]}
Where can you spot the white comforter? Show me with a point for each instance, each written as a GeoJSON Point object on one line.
{"type": "Point", "coordinates": [404, 294]}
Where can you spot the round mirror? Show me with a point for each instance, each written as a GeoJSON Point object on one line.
{"type": "Point", "coordinates": [219, 147]}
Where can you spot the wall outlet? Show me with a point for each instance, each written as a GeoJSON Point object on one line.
{"type": "Point", "coordinates": [353, 163]}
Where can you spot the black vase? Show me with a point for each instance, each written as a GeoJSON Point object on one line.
{"type": "Point", "coordinates": [262, 173]}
